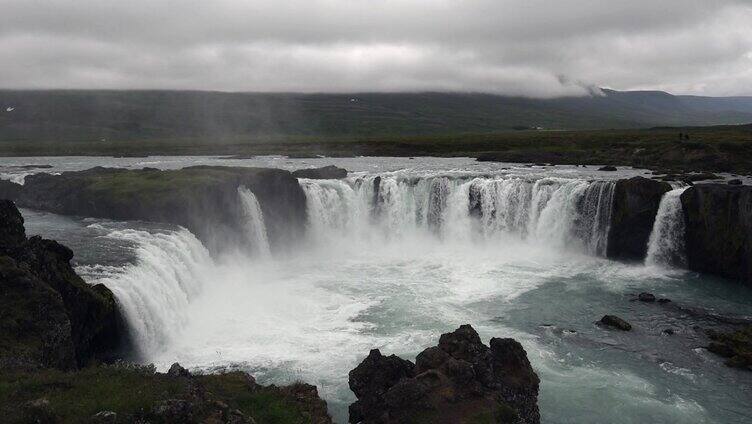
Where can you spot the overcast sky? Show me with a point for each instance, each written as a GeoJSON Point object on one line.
{"type": "Point", "coordinates": [522, 47]}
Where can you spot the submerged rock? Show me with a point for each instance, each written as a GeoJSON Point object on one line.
{"type": "Point", "coordinates": [50, 317]}
{"type": "Point", "coordinates": [635, 206]}
{"type": "Point", "coordinates": [329, 172]}
{"type": "Point", "coordinates": [615, 322]}
{"type": "Point", "coordinates": [607, 168]}
{"type": "Point", "coordinates": [736, 347]}
{"type": "Point", "coordinates": [735, 182]}
{"type": "Point", "coordinates": [718, 220]}
{"type": "Point", "coordinates": [646, 297]}
{"type": "Point", "coordinates": [459, 381]}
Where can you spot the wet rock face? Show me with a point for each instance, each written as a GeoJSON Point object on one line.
{"type": "Point", "coordinates": [459, 381]}
{"type": "Point", "coordinates": [49, 317]}
{"type": "Point", "coordinates": [329, 172]}
{"type": "Point", "coordinates": [718, 220]}
{"type": "Point", "coordinates": [635, 206]}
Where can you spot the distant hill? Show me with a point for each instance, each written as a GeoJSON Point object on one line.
{"type": "Point", "coordinates": [84, 115]}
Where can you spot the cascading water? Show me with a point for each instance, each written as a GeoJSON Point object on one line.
{"type": "Point", "coordinates": [154, 292]}
{"type": "Point", "coordinates": [666, 243]}
{"type": "Point", "coordinates": [253, 224]}
{"type": "Point", "coordinates": [171, 269]}
{"type": "Point", "coordinates": [550, 210]}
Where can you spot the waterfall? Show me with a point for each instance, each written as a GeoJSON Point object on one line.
{"type": "Point", "coordinates": [666, 243]}
{"type": "Point", "coordinates": [595, 208]}
{"type": "Point", "coordinates": [553, 211]}
{"type": "Point", "coordinates": [254, 226]}
{"type": "Point", "coordinates": [155, 291]}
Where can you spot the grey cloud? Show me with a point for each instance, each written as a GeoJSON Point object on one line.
{"type": "Point", "coordinates": [525, 47]}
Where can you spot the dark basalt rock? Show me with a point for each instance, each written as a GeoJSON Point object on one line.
{"type": "Point", "coordinates": [615, 322]}
{"type": "Point", "coordinates": [646, 297]}
{"type": "Point", "coordinates": [691, 178]}
{"type": "Point", "coordinates": [178, 371]}
{"type": "Point", "coordinates": [459, 381]}
{"type": "Point", "coordinates": [718, 221]}
{"type": "Point", "coordinates": [9, 190]}
{"type": "Point", "coordinates": [203, 199]}
{"type": "Point", "coordinates": [49, 317]}
{"type": "Point", "coordinates": [635, 206]}
{"type": "Point", "coordinates": [735, 182]}
{"type": "Point", "coordinates": [329, 172]}
{"type": "Point", "coordinates": [608, 168]}
{"type": "Point", "coordinates": [736, 347]}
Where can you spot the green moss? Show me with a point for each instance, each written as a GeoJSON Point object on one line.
{"type": "Point", "coordinates": [265, 405]}
{"type": "Point", "coordinates": [736, 346]}
{"type": "Point", "coordinates": [132, 391]}
{"type": "Point", "coordinates": [76, 396]}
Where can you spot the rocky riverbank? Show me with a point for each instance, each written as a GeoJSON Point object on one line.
{"type": "Point", "coordinates": [49, 317]}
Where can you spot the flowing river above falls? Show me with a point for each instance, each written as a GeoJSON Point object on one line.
{"type": "Point", "coordinates": [404, 250]}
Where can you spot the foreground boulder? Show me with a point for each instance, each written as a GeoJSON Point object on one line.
{"type": "Point", "coordinates": [718, 236]}
{"type": "Point", "coordinates": [459, 381]}
{"type": "Point", "coordinates": [50, 317]}
{"type": "Point", "coordinates": [203, 199]}
{"type": "Point", "coordinates": [329, 172]}
{"type": "Point", "coordinates": [635, 206]}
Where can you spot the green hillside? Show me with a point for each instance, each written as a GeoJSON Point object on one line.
{"type": "Point", "coordinates": [63, 115]}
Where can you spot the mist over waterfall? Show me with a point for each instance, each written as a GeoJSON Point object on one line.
{"type": "Point", "coordinates": [666, 243]}
{"type": "Point", "coordinates": [557, 211]}
{"type": "Point", "coordinates": [253, 223]}
{"type": "Point", "coordinates": [164, 292]}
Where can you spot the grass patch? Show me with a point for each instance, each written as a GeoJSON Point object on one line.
{"type": "Point", "coordinates": [76, 396]}
{"type": "Point", "coordinates": [132, 391]}
{"type": "Point", "coordinates": [709, 148]}
{"type": "Point", "coordinates": [265, 405]}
